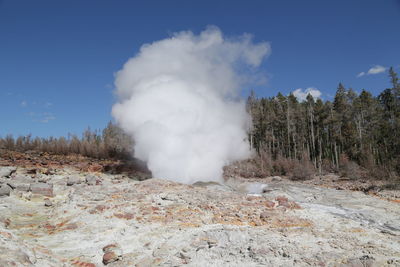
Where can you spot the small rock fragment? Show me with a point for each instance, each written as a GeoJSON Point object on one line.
{"type": "Point", "coordinates": [184, 256]}
{"type": "Point", "coordinates": [110, 247]}
{"type": "Point", "coordinates": [109, 257]}
{"type": "Point", "coordinates": [212, 243]}
{"type": "Point", "coordinates": [43, 178]}
{"type": "Point", "coordinates": [24, 195]}
{"type": "Point", "coordinates": [282, 200]}
{"type": "Point", "coordinates": [48, 203]}
{"type": "Point", "coordinates": [276, 179]}
{"type": "Point", "coordinates": [265, 215]}
{"type": "Point", "coordinates": [47, 171]}
{"type": "Point", "coordinates": [95, 168]}
{"type": "Point", "coordinates": [112, 253]}
{"type": "Point", "coordinates": [269, 204]}
{"type": "Point", "coordinates": [32, 171]}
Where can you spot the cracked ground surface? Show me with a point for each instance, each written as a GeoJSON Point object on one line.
{"type": "Point", "coordinates": [73, 214]}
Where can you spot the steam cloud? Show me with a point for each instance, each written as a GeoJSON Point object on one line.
{"type": "Point", "coordinates": [178, 98]}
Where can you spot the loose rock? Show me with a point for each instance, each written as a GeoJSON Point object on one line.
{"type": "Point", "coordinates": [48, 203]}
{"type": "Point", "coordinates": [91, 180]}
{"type": "Point", "coordinates": [73, 180]}
{"type": "Point", "coordinates": [264, 215]}
{"type": "Point", "coordinates": [42, 189]}
{"type": "Point", "coordinates": [112, 253]}
{"type": "Point", "coordinates": [43, 178]}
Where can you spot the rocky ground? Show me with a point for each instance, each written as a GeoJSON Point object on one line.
{"type": "Point", "coordinates": [80, 213]}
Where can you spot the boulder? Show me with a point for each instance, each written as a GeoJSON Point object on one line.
{"type": "Point", "coordinates": [22, 187]}
{"type": "Point", "coordinates": [42, 189]}
{"type": "Point", "coordinates": [5, 172]}
{"type": "Point", "coordinates": [5, 190]}
{"type": "Point", "coordinates": [20, 182]}
{"type": "Point", "coordinates": [71, 180]}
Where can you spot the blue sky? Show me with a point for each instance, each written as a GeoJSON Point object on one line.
{"type": "Point", "coordinates": [58, 58]}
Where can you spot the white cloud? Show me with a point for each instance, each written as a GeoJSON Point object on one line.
{"type": "Point", "coordinates": [372, 71]}
{"type": "Point", "coordinates": [376, 69]}
{"type": "Point", "coordinates": [24, 103]}
{"type": "Point", "coordinates": [301, 94]}
{"type": "Point", "coordinates": [360, 74]}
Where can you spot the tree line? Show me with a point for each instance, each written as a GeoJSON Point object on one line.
{"type": "Point", "coordinates": [352, 131]}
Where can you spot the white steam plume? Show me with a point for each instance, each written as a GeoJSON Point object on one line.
{"type": "Point", "coordinates": [178, 98]}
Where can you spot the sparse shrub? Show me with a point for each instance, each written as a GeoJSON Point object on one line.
{"type": "Point", "coordinates": [249, 168]}
{"type": "Point", "coordinates": [111, 143]}
{"type": "Point", "coordinates": [302, 170]}
{"type": "Point", "coordinates": [282, 166]}
{"type": "Point", "coordinates": [8, 142]}
{"type": "Point", "coordinates": [264, 161]}
{"type": "Point", "coordinates": [328, 166]}
{"type": "Point", "coordinates": [348, 168]}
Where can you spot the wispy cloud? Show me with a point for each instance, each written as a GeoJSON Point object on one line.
{"type": "Point", "coordinates": [44, 117]}
{"type": "Point", "coordinates": [47, 118]}
{"type": "Point", "coordinates": [372, 71]}
{"type": "Point", "coordinates": [360, 74]}
{"type": "Point", "coordinates": [48, 104]}
{"type": "Point", "coordinates": [301, 94]}
{"type": "Point", "coordinates": [24, 103]}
